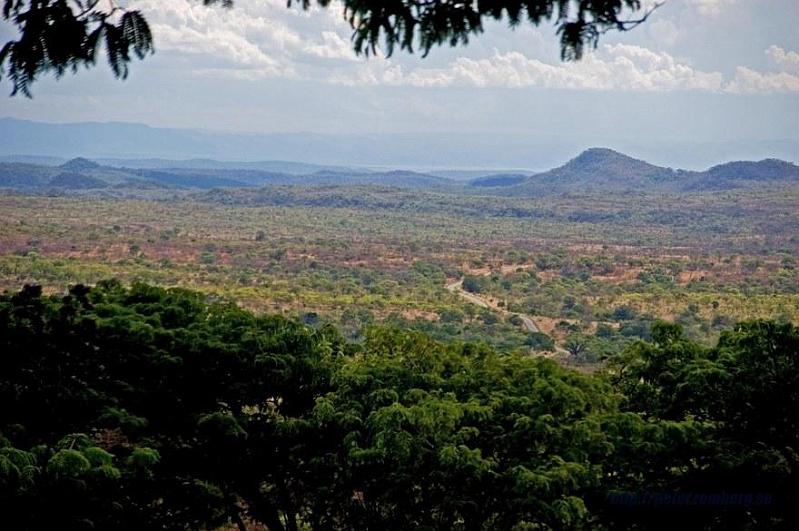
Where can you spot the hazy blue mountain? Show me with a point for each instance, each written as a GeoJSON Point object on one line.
{"type": "Point", "coordinates": [741, 174]}
{"type": "Point", "coordinates": [594, 170]}
{"type": "Point", "coordinates": [80, 164]}
{"type": "Point", "coordinates": [499, 179]}
{"type": "Point", "coordinates": [395, 178]}
{"type": "Point", "coordinates": [277, 166]}
{"type": "Point", "coordinates": [33, 159]}
{"type": "Point", "coordinates": [114, 140]}
{"type": "Point", "coordinates": [599, 169]}
{"type": "Point", "coordinates": [605, 170]}
{"type": "Point", "coordinates": [764, 170]}
{"type": "Point", "coordinates": [74, 174]}
{"type": "Point", "coordinates": [82, 173]}
{"type": "Point", "coordinates": [118, 144]}
{"type": "Point", "coordinates": [76, 181]}
{"type": "Point", "coordinates": [23, 175]}
{"type": "Point", "coordinates": [190, 180]}
{"type": "Point", "coordinates": [473, 175]}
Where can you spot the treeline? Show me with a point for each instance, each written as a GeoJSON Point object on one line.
{"type": "Point", "coordinates": [148, 408]}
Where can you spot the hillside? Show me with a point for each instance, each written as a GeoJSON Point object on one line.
{"type": "Point", "coordinates": [500, 179]}
{"type": "Point", "coordinates": [596, 170]}
{"type": "Point", "coordinates": [77, 181]}
{"type": "Point", "coordinates": [605, 170]}
{"type": "Point", "coordinates": [80, 164]}
{"type": "Point", "coordinates": [740, 173]}
{"type": "Point", "coordinates": [276, 166]}
{"type": "Point", "coordinates": [86, 174]}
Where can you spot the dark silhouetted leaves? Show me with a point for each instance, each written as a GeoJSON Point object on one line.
{"type": "Point", "coordinates": [61, 35]}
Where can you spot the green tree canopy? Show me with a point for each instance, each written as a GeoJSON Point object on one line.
{"type": "Point", "coordinates": [140, 407]}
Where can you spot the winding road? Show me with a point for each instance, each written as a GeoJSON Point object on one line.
{"type": "Point", "coordinates": [529, 325]}
{"type": "Point", "coordinates": [457, 287]}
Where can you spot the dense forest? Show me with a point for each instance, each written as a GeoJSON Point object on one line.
{"type": "Point", "coordinates": [149, 408]}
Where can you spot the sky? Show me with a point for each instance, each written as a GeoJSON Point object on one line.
{"type": "Point", "coordinates": [719, 77]}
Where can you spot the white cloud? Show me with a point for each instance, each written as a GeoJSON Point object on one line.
{"type": "Point", "coordinates": [614, 67]}
{"type": "Point", "coordinates": [785, 59]}
{"type": "Point", "coordinates": [617, 67]}
{"type": "Point", "coordinates": [333, 46]}
{"type": "Point", "coordinates": [748, 81]}
{"type": "Point", "coordinates": [664, 31]}
{"type": "Point", "coordinates": [219, 45]}
{"type": "Point", "coordinates": [260, 39]}
{"type": "Point", "coordinates": [711, 7]}
{"type": "Point", "coordinates": [255, 39]}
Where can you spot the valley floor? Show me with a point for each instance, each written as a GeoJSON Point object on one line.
{"type": "Point", "coordinates": [589, 272]}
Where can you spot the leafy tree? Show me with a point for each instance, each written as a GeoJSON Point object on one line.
{"type": "Point", "coordinates": [166, 385]}
{"type": "Point", "coordinates": [62, 35]}
{"type": "Point", "coordinates": [540, 341]}
{"type": "Point", "coordinates": [576, 344]}
{"type": "Point", "coordinates": [474, 284]}
{"type": "Point", "coordinates": [605, 331]}
{"type": "Point", "coordinates": [148, 408]}
{"type": "Point", "coordinates": [741, 398]}
{"type": "Point", "coordinates": [73, 484]}
{"type": "Point", "coordinates": [440, 436]}
{"type": "Point", "coordinates": [623, 313]}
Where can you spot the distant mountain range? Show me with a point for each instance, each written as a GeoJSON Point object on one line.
{"type": "Point", "coordinates": [594, 170]}
{"type": "Point", "coordinates": [120, 144]}
{"type": "Point", "coordinates": [131, 145]}
{"type": "Point", "coordinates": [81, 174]}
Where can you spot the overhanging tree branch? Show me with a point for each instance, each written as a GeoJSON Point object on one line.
{"type": "Point", "coordinates": [61, 35]}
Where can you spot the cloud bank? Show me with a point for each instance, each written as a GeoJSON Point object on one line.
{"type": "Point", "coordinates": [614, 67]}
{"type": "Point", "coordinates": [263, 39]}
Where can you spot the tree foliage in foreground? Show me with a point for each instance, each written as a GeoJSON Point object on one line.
{"type": "Point", "coordinates": [61, 35]}
{"type": "Point", "coordinates": [146, 408]}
